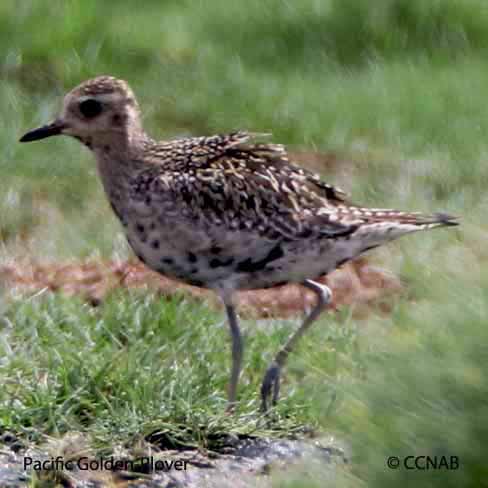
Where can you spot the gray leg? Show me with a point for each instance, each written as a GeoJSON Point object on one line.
{"type": "Point", "coordinates": [270, 386]}
{"type": "Point", "coordinates": [237, 348]}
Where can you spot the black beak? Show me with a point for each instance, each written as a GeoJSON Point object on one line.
{"type": "Point", "coordinates": [53, 129]}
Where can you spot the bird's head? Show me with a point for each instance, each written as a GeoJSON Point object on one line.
{"type": "Point", "coordinates": [99, 108]}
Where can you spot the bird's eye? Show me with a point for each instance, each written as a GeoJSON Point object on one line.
{"type": "Point", "coordinates": [90, 108]}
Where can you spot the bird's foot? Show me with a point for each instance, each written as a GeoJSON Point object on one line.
{"type": "Point", "coordinates": [270, 387]}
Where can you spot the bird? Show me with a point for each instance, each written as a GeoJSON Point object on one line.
{"type": "Point", "coordinates": [224, 212]}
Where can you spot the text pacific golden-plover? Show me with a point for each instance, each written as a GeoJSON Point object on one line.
{"type": "Point", "coordinates": [221, 212]}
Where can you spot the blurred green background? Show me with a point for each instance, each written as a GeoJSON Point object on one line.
{"type": "Point", "coordinates": [395, 87]}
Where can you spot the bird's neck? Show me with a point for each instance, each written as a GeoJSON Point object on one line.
{"type": "Point", "coordinates": [119, 159]}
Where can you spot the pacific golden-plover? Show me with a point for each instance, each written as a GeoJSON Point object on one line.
{"type": "Point", "coordinates": [221, 212]}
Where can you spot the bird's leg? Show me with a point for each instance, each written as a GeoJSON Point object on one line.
{"type": "Point", "coordinates": [237, 349]}
{"type": "Point", "coordinates": [270, 386]}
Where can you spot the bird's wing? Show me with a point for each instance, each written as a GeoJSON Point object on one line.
{"type": "Point", "coordinates": [243, 186]}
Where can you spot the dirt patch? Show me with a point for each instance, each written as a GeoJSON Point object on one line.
{"type": "Point", "coordinates": [357, 282]}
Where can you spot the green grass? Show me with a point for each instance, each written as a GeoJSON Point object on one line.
{"type": "Point", "coordinates": [396, 86]}
{"type": "Point", "coordinates": [140, 361]}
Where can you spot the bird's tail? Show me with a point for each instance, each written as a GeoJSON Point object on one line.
{"type": "Point", "coordinates": [380, 225]}
{"type": "Point", "coordinates": [424, 221]}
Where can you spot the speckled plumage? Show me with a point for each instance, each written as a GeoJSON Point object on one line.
{"type": "Point", "coordinates": [251, 218]}
{"type": "Point", "coordinates": [222, 212]}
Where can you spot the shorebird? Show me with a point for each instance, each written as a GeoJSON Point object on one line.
{"type": "Point", "coordinates": [223, 212]}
